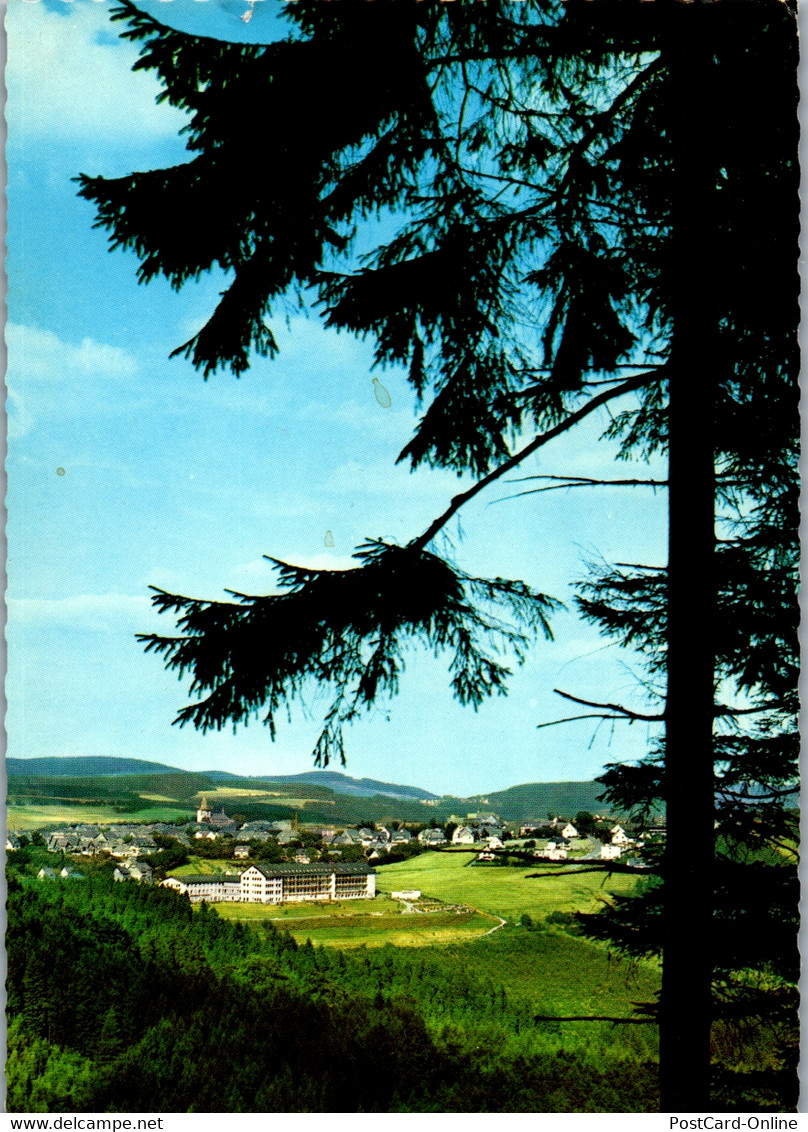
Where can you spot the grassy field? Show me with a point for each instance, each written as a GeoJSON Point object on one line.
{"type": "Point", "coordinates": [40, 817]}
{"type": "Point", "coordinates": [492, 892]}
{"type": "Point", "coordinates": [279, 913]}
{"type": "Point", "coordinates": [231, 794]}
{"type": "Point", "coordinates": [502, 891]}
{"type": "Point", "coordinates": [338, 926]}
{"type": "Point", "coordinates": [199, 866]}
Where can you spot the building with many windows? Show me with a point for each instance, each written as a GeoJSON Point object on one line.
{"type": "Point", "coordinates": [279, 884]}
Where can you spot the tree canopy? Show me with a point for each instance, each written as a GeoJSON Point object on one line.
{"type": "Point", "coordinates": [572, 205]}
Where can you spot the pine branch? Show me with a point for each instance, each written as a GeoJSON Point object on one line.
{"type": "Point", "coordinates": [628, 386]}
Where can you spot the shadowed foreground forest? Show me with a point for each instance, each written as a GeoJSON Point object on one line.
{"type": "Point", "coordinates": [124, 999]}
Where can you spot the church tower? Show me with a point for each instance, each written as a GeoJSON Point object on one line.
{"type": "Point", "coordinates": [203, 814]}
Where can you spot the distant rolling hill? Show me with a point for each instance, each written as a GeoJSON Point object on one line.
{"type": "Point", "coordinates": [538, 799]}
{"type": "Point", "coordinates": [81, 767]}
{"type": "Point", "coordinates": [348, 799]}
{"type": "Point", "coordinates": [344, 784]}
{"type": "Point", "coordinates": [333, 781]}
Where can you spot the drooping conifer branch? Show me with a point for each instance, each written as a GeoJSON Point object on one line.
{"type": "Point", "coordinates": [347, 630]}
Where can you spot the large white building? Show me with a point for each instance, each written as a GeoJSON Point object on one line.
{"type": "Point", "coordinates": [279, 884]}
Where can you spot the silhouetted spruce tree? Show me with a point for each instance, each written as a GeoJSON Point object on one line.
{"type": "Point", "coordinates": [598, 200]}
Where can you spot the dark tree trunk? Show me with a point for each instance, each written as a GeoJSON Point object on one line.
{"type": "Point", "coordinates": [686, 999]}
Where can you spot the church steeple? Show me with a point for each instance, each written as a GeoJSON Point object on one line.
{"type": "Point", "coordinates": [203, 814]}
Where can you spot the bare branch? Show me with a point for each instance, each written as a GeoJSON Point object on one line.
{"type": "Point", "coordinates": [577, 481]}
{"type": "Point", "coordinates": [572, 719]}
{"type": "Point", "coordinates": [622, 712]}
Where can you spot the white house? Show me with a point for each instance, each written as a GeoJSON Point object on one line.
{"type": "Point", "coordinates": [211, 886]}
{"type": "Point", "coordinates": [463, 835]}
{"type": "Point", "coordinates": [569, 830]}
{"type": "Point", "coordinates": [610, 852]}
{"type": "Point", "coordinates": [619, 836]}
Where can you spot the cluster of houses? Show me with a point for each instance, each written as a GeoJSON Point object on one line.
{"type": "Point", "coordinates": [131, 845]}
{"type": "Point", "coordinates": [375, 842]}
{"type": "Point", "coordinates": [558, 843]}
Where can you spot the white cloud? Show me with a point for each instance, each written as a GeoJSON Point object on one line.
{"type": "Point", "coordinates": [40, 355]}
{"type": "Point", "coordinates": [86, 611]}
{"type": "Point", "coordinates": [69, 76]}
{"type": "Point", "coordinates": [19, 420]}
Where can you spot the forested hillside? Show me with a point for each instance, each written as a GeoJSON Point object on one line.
{"type": "Point", "coordinates": [121, 998]}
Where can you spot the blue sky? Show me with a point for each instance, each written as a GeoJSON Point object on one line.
{"type": "Point", "coordinates": [171, 481]}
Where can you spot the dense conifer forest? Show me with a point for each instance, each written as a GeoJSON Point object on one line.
{"type": "Point", "coordinates": [123, 998]}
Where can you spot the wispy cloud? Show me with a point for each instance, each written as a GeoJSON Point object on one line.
{"type": "Point", "coordinates": [87, 611]}
{"type": "Point", "coordinates": [69, 78]}
{"type": "Point", "coordinates": [40, 355]}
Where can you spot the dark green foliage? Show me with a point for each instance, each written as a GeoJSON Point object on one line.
{"type": "Point", "coordinates": [576, 187]}
{"type": "Point", "coordinates": [347, 628]}
{"type": "Point", "coordinates": [121, 998]}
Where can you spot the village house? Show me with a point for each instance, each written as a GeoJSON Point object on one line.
{"type": "Point", "coordinates": [463, 835]}
{"type": "Point", "coordinates": [70, 873]}
{"type": "Point", "coordinates": [619, 836]}
{"type": "Point", "coordinates": [432, 837]}
{"type": "Point", "coordinates": [138, 871]}
{"type": "Point", "coordinates": [346, 837]}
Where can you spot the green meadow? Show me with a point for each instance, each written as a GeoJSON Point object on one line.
{"type": "Point", "coordinates": [43, 817]}
{"type": "Point", "coordinates": [334, 926]}
{"type": "Point", "coordinates": [504, 891]}
{"type": "Point", "coordinates": [486, 895]}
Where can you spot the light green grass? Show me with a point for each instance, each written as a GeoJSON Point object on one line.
{"type": "Point", "coordinates": [201, 866]}
{"type": "Point", "coordinates": [40, 817]}
{"type": "Point", "coordinates": [305, 910]}
{"type": "Point", "coordinates": [502, 891]}
{"type": "Point", "coordinates": [336, 926]}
